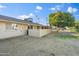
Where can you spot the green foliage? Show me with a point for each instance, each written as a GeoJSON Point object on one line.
{"type": "Point", "coordinates": [61, 19]}
{"type": "Point", "coordinates": [77, 27]}
{"type": "Point", "coordinates": [72, 29]}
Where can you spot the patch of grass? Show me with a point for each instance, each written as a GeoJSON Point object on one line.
{"type": "Point", "coordinates": [72, 29]}
{"type": "Point", "coordinates": [67, 37]}
{"type": "Point", "coordinates": [76, 35]}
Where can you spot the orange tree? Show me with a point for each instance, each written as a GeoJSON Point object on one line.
{"type": "Point", "coordinates": [61, 19]}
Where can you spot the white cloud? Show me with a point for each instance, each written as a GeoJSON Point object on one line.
{"type": "Point", "coordinates": [31, 14]}
{"type": "Point", "coordinates": [36, 11]}
{"type": "Point", "coordinates": [75, 9]}
{"type": "Point", "coordinates": [25, 16]}
{"type": "Point", "coordinates": [39, 7]}
{"type": "Point", "coordinates": [1, 6]}
{"type": "Point", "coordinates": [22, 17]}
{"type": "Point", "coordinates": [52, 8]}
{"type": "Point", "coordinates": [72, 10]}
{"type": "Point", "coordinates": [56, 8]}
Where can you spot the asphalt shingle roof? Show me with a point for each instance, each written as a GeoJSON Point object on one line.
{"type": "Point", "coordinates": [9, 18]}
{"type": "Point", "coordinates": [18, 20]}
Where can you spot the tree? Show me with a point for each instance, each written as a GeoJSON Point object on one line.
{"type": "Point", "coordinates": [61, 19]}
{"type": "Point", "coordinates": [28, 19]}
{"type": "Point", "coordinates": [37, 18]}
{"type": "Point", "coordinates": [77, 26]}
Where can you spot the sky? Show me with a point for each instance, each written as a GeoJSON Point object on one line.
{"type": "Point", "coordinates": [37, 10]}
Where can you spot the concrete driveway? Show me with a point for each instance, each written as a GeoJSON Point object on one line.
{"type": "Point", "coordinates": [45, 46]}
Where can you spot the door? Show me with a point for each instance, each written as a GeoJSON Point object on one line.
{"type": "Point", "coordinates": [27, 32]}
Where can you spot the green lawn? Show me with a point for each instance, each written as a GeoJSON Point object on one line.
{"type": "Point", "coordinates": [66, 35]}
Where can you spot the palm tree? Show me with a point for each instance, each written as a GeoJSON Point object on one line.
{"type": "Point", "coordinates": [47, 22]}
{"type": "Point", "coordinates": [37, 18]}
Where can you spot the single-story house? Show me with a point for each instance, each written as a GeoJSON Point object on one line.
{"type": "Point", "coordinates": [38, 30]}
{"type": "Point", "coordinates": [10, 27]}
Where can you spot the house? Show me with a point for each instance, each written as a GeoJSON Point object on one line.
{"type": "Point", "coordinates": [10, 23]}
{"type": "Point", "coordinates": [11, 27]}
{"type": "Point", "coordinates": [38, 30]}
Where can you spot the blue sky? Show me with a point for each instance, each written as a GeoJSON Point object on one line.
{"type": "Point", "coordinates": [37, 10]}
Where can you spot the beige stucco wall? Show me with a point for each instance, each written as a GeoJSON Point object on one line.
{"type": "Point", "coordinates": [35, 27]}
{"type": "Point", "coordinates": [6, 30]}
{"type": "Point", "coordinates": [39, 32]}
{"type": "Point", "coordinates": [2, 26]}
{"type": "Point", "coordinates": [12, 33]}
{"type": "Point", "coordinates": [22, 27]}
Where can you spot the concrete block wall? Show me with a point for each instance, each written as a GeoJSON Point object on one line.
{"type": "Point", "coordinates": [34, 32]}
{"type": "Point", "coordinates": [39, 32]}
{"type": "Point", "coordinates": [44, 32]}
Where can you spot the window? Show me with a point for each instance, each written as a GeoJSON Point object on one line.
{"type": "Point", "coordinates": [30, 27]}
{"type": "Point", "coordinates": [14, 26]}
{"type": "Point", "coordinates": [42, 27]}
{"type": "Point", "coordinates": [38, 27]}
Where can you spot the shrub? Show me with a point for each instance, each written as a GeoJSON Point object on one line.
{"type": "Point", "coordinates": [77, 27]}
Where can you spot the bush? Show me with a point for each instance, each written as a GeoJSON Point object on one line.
{"type": "Point", "coordinates": [72, 29]}
{"type": "Point", "coordinates": [77, 27]}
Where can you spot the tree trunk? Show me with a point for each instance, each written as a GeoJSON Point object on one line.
{"type": "Point", "coordinates": [58, 29]}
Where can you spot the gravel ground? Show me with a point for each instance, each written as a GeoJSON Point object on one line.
{"type": "Point", "coordinates": [49, 45]}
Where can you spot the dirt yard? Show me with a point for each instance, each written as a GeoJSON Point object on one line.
{"type": "Point", "coordinates": [54, 44]}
